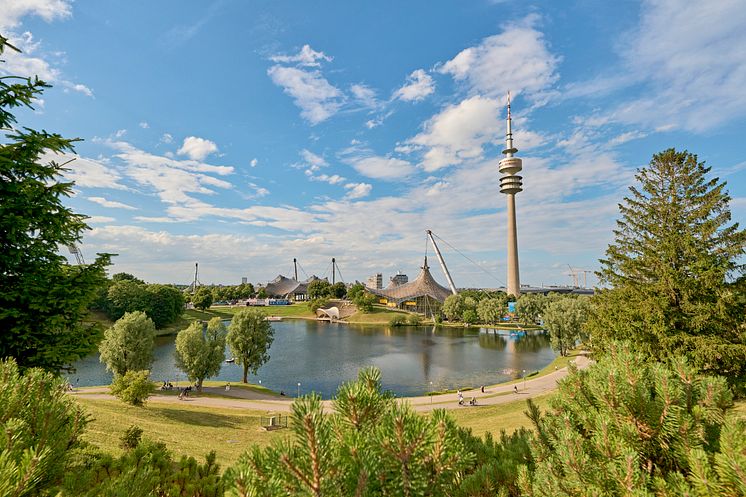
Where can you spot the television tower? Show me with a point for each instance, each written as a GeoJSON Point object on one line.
{"type": "Point", "coordinates": [510, 184]}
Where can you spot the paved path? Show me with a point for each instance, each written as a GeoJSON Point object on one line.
{"type": "Point", "coordinates": [239, 398]}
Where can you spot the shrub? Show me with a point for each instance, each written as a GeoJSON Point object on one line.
{"type": "Point", "coordinates": [131, 437]}
{"type": "Point", "coordinates": [414, 320]}
{"type": "Point", "coordinates": [314, 304]}
{"type": "Point", "coordinates": [133, 387]}
{"type": "Point", "coordinates": [398, 320]}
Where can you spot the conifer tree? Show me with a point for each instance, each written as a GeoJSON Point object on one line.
{"type": "Point", "coordinates": [371, 445]}
{"type": "Point", "coordinates": [628, 427]}
{"type": "Point", "coordinates": [671, 268]}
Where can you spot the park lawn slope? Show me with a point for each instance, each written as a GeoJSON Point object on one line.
{"type": "Point", "coordinates": [186, 430]}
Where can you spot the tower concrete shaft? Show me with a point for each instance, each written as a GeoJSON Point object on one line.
{"type": "Point", "coordinates": [510, 184]}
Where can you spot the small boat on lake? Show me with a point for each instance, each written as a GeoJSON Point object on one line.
{"type": "Point", "coordinates": [274, 318]}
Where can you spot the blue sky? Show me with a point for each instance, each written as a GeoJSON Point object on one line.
{"type": "Point", "coordinates": [244, 134]}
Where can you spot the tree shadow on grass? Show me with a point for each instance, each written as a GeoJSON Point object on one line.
{"type": "Point", "coordinates": [198, 418]}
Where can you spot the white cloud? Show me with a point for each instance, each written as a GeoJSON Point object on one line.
{"type": "Point", "coordinates": [628, 136]}
{"type": "Point", "coordinates": [458, 132]}
{"type": "Point", "coordinates": [167, 138]}
{"type": "Point", "coordinates": [78, 87]}
{"type": "Point", "coordinates": [364, 95]}
{"type": "Point", "coordinates": [87, 173]}
{"type": "Point", "coordinates": [13, 10]}
{"type": "Point", "coordinates": [311, 92]}
{"type": "Point", "coordinates": [197, 148]}
{"type": "Point", "coordinates": [111, 203]}
{"type": "Point", "coordinates": [144, 124]}
{"type": "Point", "coordinates": [693, 57]}
{"type": "Point", "coordinates": [254, 162]}
{"type": "Point", "coordinates": [306, 57]}
{"type": "Point", "coordinates": [258, 190]}
{"type": "Point", "coordinates": [358, 190]}
{"type": "Point", "coordinates": [311, 161]}
{"type": "Point", "coordinates": [120, 133]}
{"type": "Point", "coordinates": [333, 179]}
{"type": "Point", "coordinates": [385, 168]}
{"type": "Point", "coordinates": [419, 85]}
{"type": "Point", "coordinates": [517, 59]}
{"type": "Point", "coordinates": [99, 219]}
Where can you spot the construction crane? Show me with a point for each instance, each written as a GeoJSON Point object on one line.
{"type": "Point", "coordinates": [75, 251]}
{"type": "Point", "coordinates": [575, 274]}
{"type": "Point", "coordinates": [442, 263]}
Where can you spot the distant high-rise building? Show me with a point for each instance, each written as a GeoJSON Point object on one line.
{"type": "Point", "coordinates": [244, 280]}
{"type": "Point", "coordinates": [399, 279]}
{"type": "Point", "coordinates": [375, 281]}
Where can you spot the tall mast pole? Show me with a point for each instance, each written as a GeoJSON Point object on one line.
{"type": "Point", "coordinates": [334, 270]}
{"type": "Point", "coordinates": [295, 268]}
{"type": "Point", "coordinates": [442, 263]}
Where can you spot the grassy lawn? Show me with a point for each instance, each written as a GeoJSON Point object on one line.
{"type": "Point", "coordinates": [508, 417]}
{"type": "Point", "coordinates": [185, 429]}
{"type": "Point", "coordinates": [287, 311]}
{"type": "Point", "coordinates": [379, 315]}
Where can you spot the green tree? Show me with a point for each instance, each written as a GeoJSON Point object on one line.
{"type": "Point", "coordinates": [41, 426]}
{"type": "Point", "coordinates": [469, 316]}
{"type": "Point", "coordinates": [43, 299]}
{"type": "Point", "coordinates": [339, 290]}
{"type": "Point", "coordinates": [565, 320]}
{"type": "Point", "coordinates": [321, 302]}
{"type": "Point", "coordinates": [200, 353]}
{"type": "Point", "coordinates": [627, 426]}
{"type": "Point", "coordinates": [129, 344]}
{"type": "Point", "coordinates": [670, 267]}
{"type": "Point", "coordinates": [133, 387]}
{"type": "Point", "coordinates": [249, 338]}
{"type": "Point", "coordinates": [126, 277]}
{"type": "Point", "coordinates": [202, 298]}
{"type": "Point", "coordinates": [262, 293]}
{"type": "Point", "coordinates": [364, 301]}
{"type": "Point", "coordinates": [453, 307]}
{"type": "Point", "coordinates": [319, 288]}
{"type": "Point", "coordinates": [355, 290]}
{"type": "Point", "coordinates": [126, 295]}
{"type": "Point", "coordinates": [371, 445]}
{"type": "Point", "coordinates": [530, 307]}
{"type": "Point", "coordinates": [491, 310]}
{"type": "Point", "coordinates": [166, 304]}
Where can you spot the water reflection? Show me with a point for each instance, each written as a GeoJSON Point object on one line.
{"type": "Point", "coordinates": [323, 355]}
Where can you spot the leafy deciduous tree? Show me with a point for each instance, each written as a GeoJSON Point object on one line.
{"type": "Point", "coordinates": [565, 320]}
{"type": "Point", "coordinates": [529, 307]}
{"type": "Point", "coordinates": [133, 387]}
{"type": "Point", "coordinates": [202, 298]}
{"type": "Point", "coordinates": [249, 338]}
{"type": "Point", "coordinates": [129, 344]}
{"type": "Point", "coordinates": [491, 310]}
{"type": "Point", "coordinates": [453, 307]}
{"type": "Point", "coordinates": [200, 350]}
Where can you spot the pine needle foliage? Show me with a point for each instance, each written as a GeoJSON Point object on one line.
{"type": "Point", "coordinates": [40, 426]}
{"type": "Point", "coordinates": [673, 269]}
{"type": "Point", "coordinates": [370, 445]}
{"type": "Point", "coordinates": [627, 427]}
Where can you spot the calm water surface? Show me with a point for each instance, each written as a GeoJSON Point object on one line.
{"type": "Point", "coordinates": [321, 356]}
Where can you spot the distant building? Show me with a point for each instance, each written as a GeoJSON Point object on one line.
{"type": "Point", "coordinates": [375, 281]}
{"type": "Point", "coordinates": [244, 280]}
{"type": "Point", "coordinates": [399, 279]}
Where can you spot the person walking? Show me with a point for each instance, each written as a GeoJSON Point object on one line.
{"type": "Point", "coordinates": [515, 388]}
{"type": "Point", "coordinates": [460, 398]}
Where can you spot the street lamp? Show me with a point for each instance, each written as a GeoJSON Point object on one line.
{"type": "Point", "coordinates": [524, 379]}
{"type": "Point", "coordinates": [431, 393]}
{"type": "Point", "coordinates": [298, 389]}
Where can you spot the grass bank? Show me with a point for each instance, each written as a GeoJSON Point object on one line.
{"type": "Point", "coordinates": [186, 430]}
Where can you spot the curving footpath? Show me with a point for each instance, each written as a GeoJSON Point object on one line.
{"type": "Point", "coordinates": [238, 398]}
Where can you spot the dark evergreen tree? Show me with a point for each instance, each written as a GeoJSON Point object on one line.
{"type": "Point", "coordinates": [43, 299]}
{"type": "Point", "coordinates": [671, 267]}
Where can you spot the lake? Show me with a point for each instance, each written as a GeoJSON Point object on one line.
{"type": "Point", "coordinates": [322, 355]}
